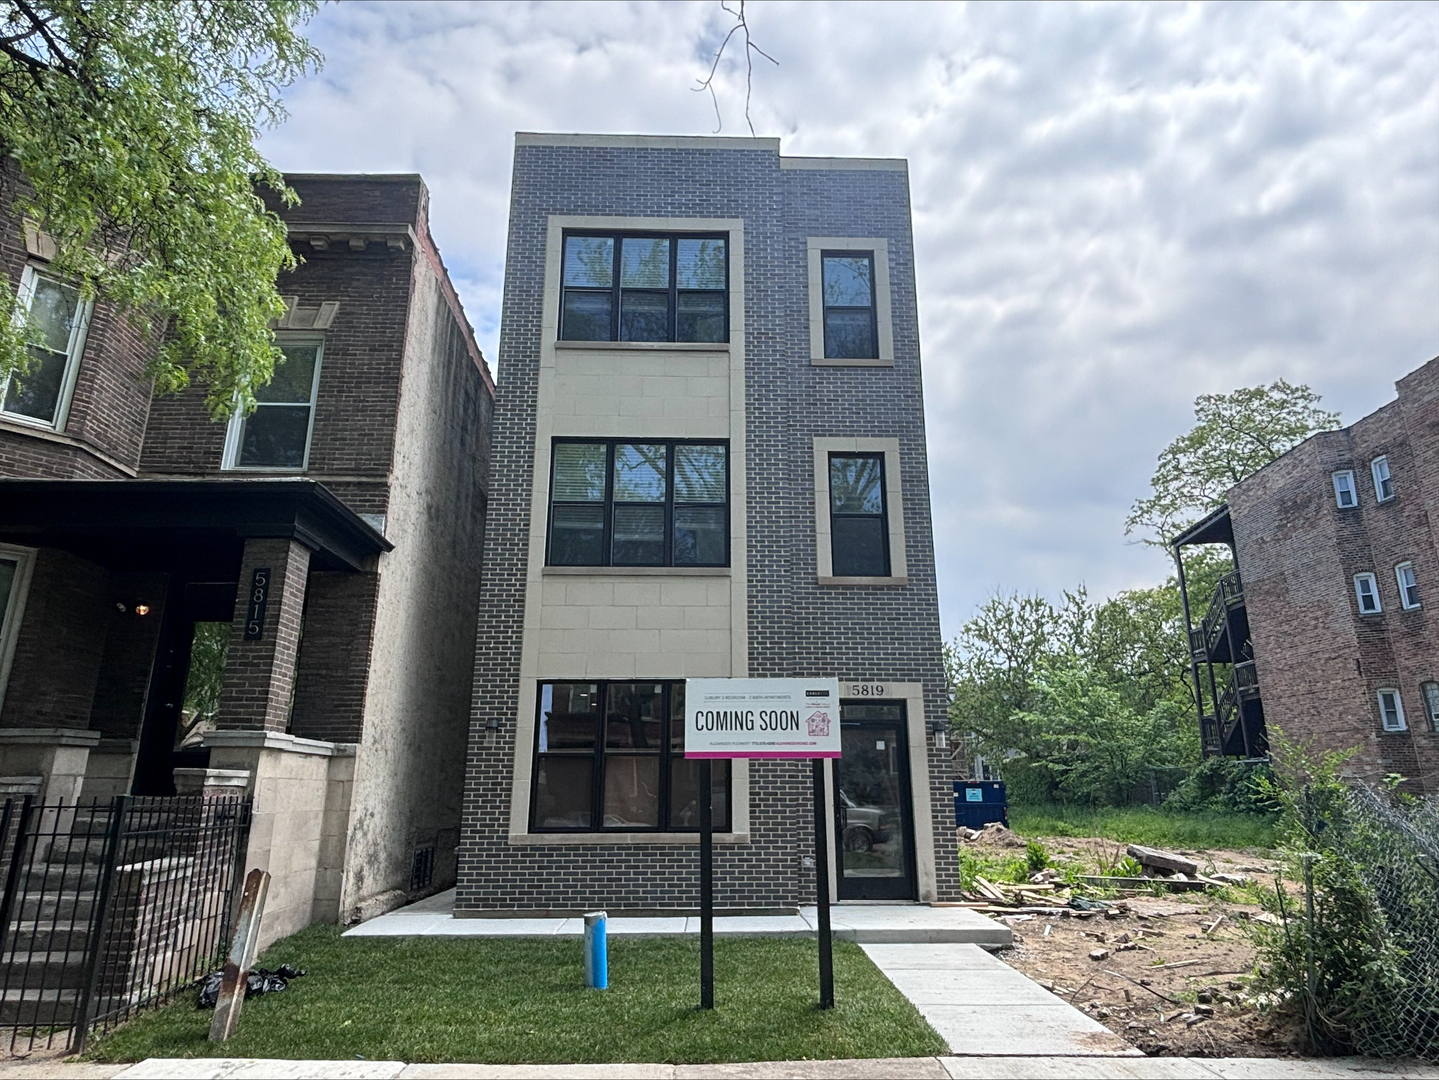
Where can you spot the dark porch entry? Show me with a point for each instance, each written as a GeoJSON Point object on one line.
{"type": "Point", "coordinates": [160, 560]}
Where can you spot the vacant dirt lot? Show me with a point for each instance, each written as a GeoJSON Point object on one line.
{"type": "Point", "coordinates": [1172, 975]}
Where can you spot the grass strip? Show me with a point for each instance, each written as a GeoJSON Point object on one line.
{"type": "Point", "coordinates": [1146, 825]}
{"type": "Point", "coordinates": [522, 1000]}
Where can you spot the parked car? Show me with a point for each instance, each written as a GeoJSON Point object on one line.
{"type": "Point", "coordinates": [863, 826]}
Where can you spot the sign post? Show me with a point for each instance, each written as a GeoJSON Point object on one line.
{"type": "Point", "coordinates": [762, 718]}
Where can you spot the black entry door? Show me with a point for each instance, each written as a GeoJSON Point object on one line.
{"type": "Point", "coordinates": [192, 608]}
{"type": "Point", "coordinates": [874, 826]}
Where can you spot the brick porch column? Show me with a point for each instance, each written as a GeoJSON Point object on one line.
{"type": "Point", "coordinates": [260, 670]}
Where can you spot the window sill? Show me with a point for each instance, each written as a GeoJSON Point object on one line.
{"type": "Point", "coordinates": [647, 346]}
{"type": "Point", "coordinates": [38, 429]}
{"type": "Point", "coordinates": [891, 581]}
{"type": "Point", "coordinates": [819, 361]}
{"type": "Point", "coordinates": [621, 838]}
{"type": "Point", "coordinates": [636, 571]}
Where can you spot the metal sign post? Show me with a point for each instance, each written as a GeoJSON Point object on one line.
{"type": "Point", "coordinates": [821, 888]}
{"type": "Point", "coordinates": [762, 718]}
{"type": "Point", "coordinates": [707, 889]}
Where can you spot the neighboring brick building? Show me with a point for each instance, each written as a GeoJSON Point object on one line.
{"type": "Point", "coordinates": [1335, 545]}
{"type": "Point", "coordinates": [710, 461]}
{"type": "Point", "coordinates": [133, 532]}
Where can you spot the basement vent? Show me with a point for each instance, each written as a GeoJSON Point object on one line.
{"type": "Point", "coordinates": [424, 868]}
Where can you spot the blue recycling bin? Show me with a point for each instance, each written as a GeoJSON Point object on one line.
{"type": "Point", "coordinates": [979, 802]}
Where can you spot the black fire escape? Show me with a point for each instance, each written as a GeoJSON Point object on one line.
{"type": "Point", "coordinates": [1221, 655]}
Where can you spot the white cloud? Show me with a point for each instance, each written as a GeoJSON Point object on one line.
{"type": "Point", "coordinates": [1116, 207]}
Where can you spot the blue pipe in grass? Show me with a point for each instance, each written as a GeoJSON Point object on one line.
{"type": "Point", "coordinates": [597, 955]}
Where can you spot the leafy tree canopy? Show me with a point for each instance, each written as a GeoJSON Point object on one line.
{"type": "Point", "coordinates": [1236, 435]}
{"type": "Point", "coordinates": [133, 124]}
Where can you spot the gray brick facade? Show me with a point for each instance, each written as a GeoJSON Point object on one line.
{"type": "Point", "coordinates": [795, 626]}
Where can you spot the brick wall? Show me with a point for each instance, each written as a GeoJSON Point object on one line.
{"type": "Point", "coordinates": [1320, 662]}
{"type": "Point", "coordinates": [61, 642]}
{"type": "Point", "coordinates": [334, 661]}
{"type": "Point", "coordinates": [260, 673]}
{"type": "Point", "coordinates": [111, 400]}
{"type": "Point", "coordinates": [795, 627]}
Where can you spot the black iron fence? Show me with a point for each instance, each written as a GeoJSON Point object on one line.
{"type": "Point", "coordinates": [110, 906]}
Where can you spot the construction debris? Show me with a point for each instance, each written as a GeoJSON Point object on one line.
{"type": "Point", "coordinates": [1159, 863]}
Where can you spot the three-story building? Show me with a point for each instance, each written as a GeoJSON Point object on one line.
{"type": "Point", "coordinates": [709, 461]}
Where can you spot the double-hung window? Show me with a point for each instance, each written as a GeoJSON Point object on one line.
{"type": "Point", "coordinates": [1408, 585]}
{"type": "Point", "coordinates": [1344, 493]}
{"type": "Point", "coordinates": [859, 529]}
{"type": "Point", "coordinates": [621, 503]}
{"type": "Point", "coordinates": [14, 567]}
{"type": "Point", "coordinates": [53, 316]}
{"type": "Point", "coordinates": [1391, 710]}
{"type": "Point", "coordinates": [610, 756]}
{"type": "Point", "coordinates": [850, 329]}
{"type": "Point", "coordinates": [1430, 692]}
{"type": "Point", "coordinates": [1366, 591]}
{"type": "Point", "coordinates": [277, 434]}
{"type": "Point", "coordinates": [1383, 482]}
{"type": "Point", "coordinates": [645, 287]}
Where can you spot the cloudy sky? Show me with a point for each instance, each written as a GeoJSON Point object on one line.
{"type": "Point", "coordinates": [1115, 207]}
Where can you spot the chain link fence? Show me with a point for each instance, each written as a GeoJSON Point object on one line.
{"type": "Point", "coordinates": [1359, 949]}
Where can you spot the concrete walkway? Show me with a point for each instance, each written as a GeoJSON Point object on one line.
{"type": "Point", "coordinates": [980, 1005]}
{"type": "Point", "coordinates": [864, 923]}
{"type": "Point", "coordinates": [928, 1068]}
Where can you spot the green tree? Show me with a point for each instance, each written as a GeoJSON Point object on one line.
{"type": "Point", "coordinates": [132, 127]}
{"type": "Point", "coordinates": [1236, 434]}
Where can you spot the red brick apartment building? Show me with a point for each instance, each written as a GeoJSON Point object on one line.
{"type": "Point", "coordinates": [1328, 629]}
{"type": "Point", "coordinates": [318, 558]}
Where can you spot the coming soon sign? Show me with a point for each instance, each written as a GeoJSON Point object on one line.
{"type": "Point", "coordinates": [762, 718]}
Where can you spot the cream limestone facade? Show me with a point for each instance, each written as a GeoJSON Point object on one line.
{"type": "Point", "coordinates": [628, 622]}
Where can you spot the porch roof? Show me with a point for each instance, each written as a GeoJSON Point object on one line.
{"type": "Point", "coordinates": [153, 524]}
{"type": "Point", "coordinates": [1214, 528]}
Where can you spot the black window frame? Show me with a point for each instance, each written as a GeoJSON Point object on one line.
{"type": "Point", "coordinates": [883, 515]}
{"type": "Point", "coordinates": [599, 753]}
{"type": "Point", "coordinates": [615, 288]}
{"type": "Point", "coordinates": [609, 499]}
{"type": "Point", "coordinates": [873, 303]}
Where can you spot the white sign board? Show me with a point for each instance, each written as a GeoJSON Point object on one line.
{"type": "Point", "coordinates": [762, 718]}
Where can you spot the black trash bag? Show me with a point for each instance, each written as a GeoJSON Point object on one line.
{"type": "Point", "coordinates": [261, 981]}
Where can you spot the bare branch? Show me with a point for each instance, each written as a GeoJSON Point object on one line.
{"type": "Point", "coordinates": [750, 47]}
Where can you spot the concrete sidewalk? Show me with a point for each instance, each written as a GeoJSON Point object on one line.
{"type": "Point", "coordinates": [980, 1005]}
{"type": "Point", "coordinates": [864, 923]}
{"type": "Point", "coordinates": [927, 1068]}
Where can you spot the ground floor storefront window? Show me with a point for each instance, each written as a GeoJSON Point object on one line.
{"type": "Point", "coordinates": [609, 756]}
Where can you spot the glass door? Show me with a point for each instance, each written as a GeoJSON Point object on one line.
{"type": "Point", "coordinates": [874, 830]}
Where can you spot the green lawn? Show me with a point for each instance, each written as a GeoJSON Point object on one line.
{"type": "Point", "coordinates": [513, 1000]}
{"type": "Point", "coordinates": [1145, 825]}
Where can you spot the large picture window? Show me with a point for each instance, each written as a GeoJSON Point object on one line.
{"type": "Point", "coordinates": [644, 287]}
{"type": "Point", "coordinates": [616, 503]}
{"type": "Point", "coordinates": [609, 756]}
{"type": "Point", "coordinates": [54, 317]}
{"type": "Point", "coordinates": [277, 434]}
{"type": "Point", "coordinates": [858, 529]}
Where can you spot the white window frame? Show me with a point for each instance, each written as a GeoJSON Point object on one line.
{"type": "Point", "coordinates": [893, 507]}
{"type": "Point", "coordinates": [1373, 594]}
{"type": "Point", "coordinates": [1376, 467]}
{"type": "Point", "coordinates": [1401, 725]}
{"type": "Point", "coordinates": [1431, 707]}
{"type": "Point", "coordinates": [14, 611]}
{"type": "Point", "coordinates": [236, 429]}
{"type": "Point", "coordinates": [884, 323]}
{"type": "Point", "coordinates": [74, 350]}
{"type": "Point", "coordinates": [1405, 587]}
{"type": "Point", "coordinates": [1344, 482]}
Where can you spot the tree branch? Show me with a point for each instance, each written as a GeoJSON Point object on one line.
{"type": "Point", "coordinates": [749, 47]}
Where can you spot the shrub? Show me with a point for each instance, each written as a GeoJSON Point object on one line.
{"type": "Point", "coordinates": [1227, 786]}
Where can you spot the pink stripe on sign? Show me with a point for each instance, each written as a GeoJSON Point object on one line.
{"type": "Point", "coordinates": [770, 754]}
